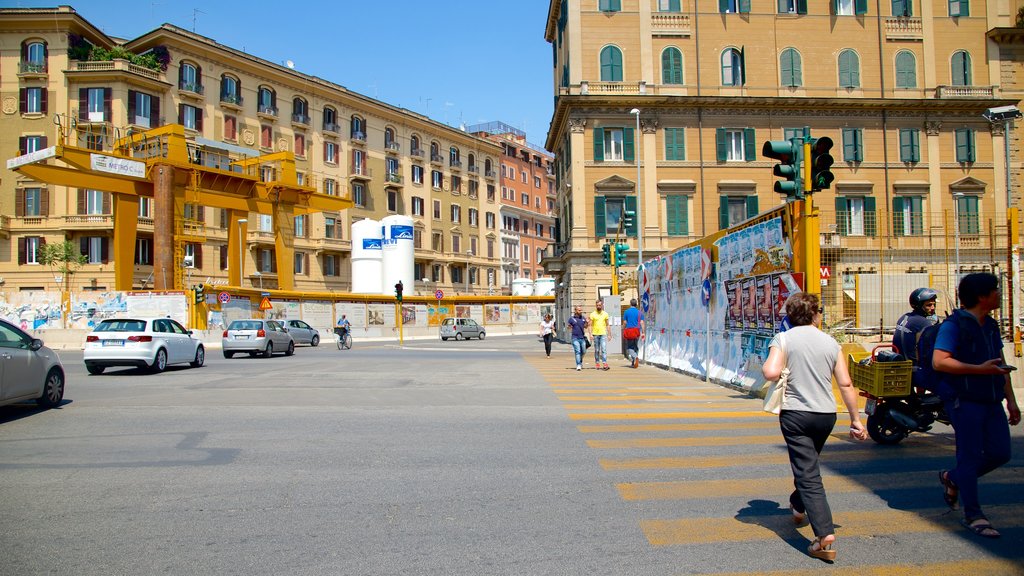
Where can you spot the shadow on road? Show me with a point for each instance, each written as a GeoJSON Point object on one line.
{"type": "Point", "coordinates": [25, 409]}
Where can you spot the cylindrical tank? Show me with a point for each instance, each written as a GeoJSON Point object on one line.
{"type": "Point", "coordinates": [398, 264]}
{"type": "Point", "coordinates": [367, 257]}
{"type": "Point", "coordinates": [544, 286]}
{"type": "Point", "coordinates": [522, 287]}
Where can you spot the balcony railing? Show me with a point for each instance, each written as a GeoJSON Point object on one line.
{"type": "Point", "coordinates": [360, 170]}
{"type": "Point", "coordinates": [359, 137]}
{"type": "Point", "coordinates": [300, 119]}
{"type": "Point", "coordinates": [436, 159]}
{"type": "Point", "coordinates": [233, 99]}
{"type": "Point", "coordinates": [32, 68]}
{"type": "Point", "coordinates": [88, 221]}
{"type": "Point", "coordinates": [267, 110]}
{"type": "Point", "coordinates": [392, 146]}
{"type": "Point", "coordinates": [417, 152]}
{"type": "Point", "coordinates": [903, 28]}
{"type": "Point", "coordinates": [490, 174]}
{"type": "Point", "coordinates": [670, 24]}
{"type": "Point", "coordinates": [473, 168]}
{"type": "Point", "coordinates": [457, 164]}
{"type": "Point", "coordinates": [331, 127]}
{"type": "Point", "coordinates": [394, 178]}
{"type": "Point", "coordinates": [965, 91]}
{"type": "Point", "coordinates": [117, 65]}
{"type": "Point", "coordinates": [192, 87]}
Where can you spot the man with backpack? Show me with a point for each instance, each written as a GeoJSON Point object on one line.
{"type": "Point", "coordinates": [968, 357]}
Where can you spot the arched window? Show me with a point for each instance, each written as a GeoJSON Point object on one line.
{"type": "Point", "coordinates": [389, 137]}
{"type": "Point", "coordinates": [330, 119]}
{"type": "Point", "coordinates": [790, 67]}
{"type": "Point", "coordinates": [611, 64]}
{"type": "Point", "coordinates": [732, 68]}
{"type": "Point", "coordinates": [33, 56]}
{"type": "Point", "coordinates": [849, 69]}
{"type": "Point", "coordinates": [230, 90]}
{"type": "Point", "coordinates": [671, 66]}
{"type": "Point", "coordinates": [414, 144]}
{"type": "Point", "coordinates": [454, 158]}
{"type": "Point", "coordinates": [487, 165]}
{"type": "Point", "coordinates": [190, 77]}
{"type": "Point", "coordinates": [472, 161]}
{"type": "Point", "coordinates": [906, 70]}
{"type": "Point", "coordinates": [266, 100]}
{"type": "Point", "coordinates": [300, 110]}
{"type": "Point", "coordinates": [435, 152]}
{"type": "Point", "coordinates": [960, 68]}
{"type": "Point", "coordinates": [358, 128]}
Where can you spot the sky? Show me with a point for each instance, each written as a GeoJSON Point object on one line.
{"type": "Point", "coordinates": [456, 61]}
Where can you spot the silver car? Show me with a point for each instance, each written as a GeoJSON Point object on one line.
{"type": "Point", "coordinates": [28, 370]}
{"type": "Point", "coordinates": [461, 329]}
{"type": "Point", "coordinates": [302, 333]}
{"type": "Point", "coordinates": [257, 336]}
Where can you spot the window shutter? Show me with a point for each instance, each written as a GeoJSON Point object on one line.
{"type": "Point", "coordinates": [181, 113]}
{"type": "Point", "coordinates": [22, 144]}
{"type": "Point", "coordinates": [223, 257]}
{"type": "Point", "coordinates": [131, 106]}
{"type": "Point", "coordinates": [743, 62]}
{"type": "Point", "coordinates": [154, 112]}
{"type": "Point", "coordinates": [915, 146]}
{"type": "Point", "coordinates": [23, 100]}
{"type": "Point", "coordinates": [897, 216]}
{"type": "Point", "coordinates": [723, 212]}
{"type": "Point", "coordinates": [842, 216]}
{"type": "Point", "coordinates": [81, 201]}
{"type": "Point", "coordinates": [106, 203]}
{"type": "Point", "coordinates": [749, 145]}
{"type": "Point", "coordinates": [631, 205]}
{"type": "Point", "coordinates": [24, 52]}
{"type": "Point", "coordinates": [900, 8]}
{"type": "Point", "coordinates": [197, 249]}
{"type": "Point", "coordinates": [870, 223]}
{"type": "Point", "coordinates": [200, 213]}
{"type": "Point", "coordinates": [744, 6]}
{"type": "Point", "coordinates": [19, 202]}
{"type": "Point", "coordinates": [957, 72]}
{"type": "Point", "coordinates": [801, 7]}
{"type": "Point", "coordinates": [849, 145]}
{"type": "Point", "coordinates": [627, 144]}
{"type": "Point", "coordinates": [83, 245]}
{"type": "Point", "coordinates": [598, 144]}
{"type": "Point", "coordinates": [721, 145]}
{"type": "Point", "coordinates": [104, 250]}
{"type": "Point", "coordinates": [970, 145]}
{"type": "Point", "coordinates": [273, 261]}
{"type": "Point", "coordinates": [21, 251]}
{"type": "Point", "coordinates": [786, 67]}
{"type": "Point", "coordinates": [305, 264]}
{"type": "Point", "coordinates": [44, 201]}
{"type": "Point", "coordinates": [199, 119]}
{"type": "Point", "coordinates": [798, 73]}
{"type": "Point", "coordinates": [860, 7]}
{"type": "Point", "coordinates": [723, 6]}
{"type": "Point", "coordinates": [42, 142]}
{"type": "Point", "coordinates": [844, 70]}
{"type": "Point", "coordinates": [905, 146]}
{"type": "Point", "coordinates": [83, 104]}
{"type": "Point", "coordinates": [600, 227]}
{"type": "Point", "coordinates": [43, 97]}
{"type": "Point", "coordinates": [108, 111]}
{"type": "Point", "coordinates": [752, 206]}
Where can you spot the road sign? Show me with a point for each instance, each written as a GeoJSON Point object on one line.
{"type": "Point", "coordinates": [645, 285]}
{"type": "Point", "coordinates": [645, 301]}
{"type": "Point", "coordinates": [438, 294]}
{"type": "Point", "coordinates": [826, 272]}
{"type": "Point", "coordinates": [265, 304]}
{"type": "Point", "coordinates": [705, 292]}
{"type": "Point", "coordinates": [705, 264]}
{"type": "Point", "coordinates": [224, 297]}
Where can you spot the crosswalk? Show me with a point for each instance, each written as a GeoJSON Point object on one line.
{"type": "Point", "coordinates": [706, 470]}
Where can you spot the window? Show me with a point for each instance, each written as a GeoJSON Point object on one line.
{"type": "Point", "coordinates": [330, 187]}
{"type": "Point", "coordinates": [733, 6]}
{"type": "Point", "coordinates": [190, 117]}
{"type": "Point", "coordinates": [266, 223]}
{"type": "Point", "coordinates": [849, 69]}
{"type": "Point", "coordinates": [611, 64]}
{"type": "Point", "coordinates": [733, 73]}
{"type": "Point", "coordinates": [359, 194]}
{"type": "Point", "coordinates": [608, 213]}
{"type": "Point", "coordinates": [959, 8]}
{"type": "Point", "coordinates": [855, 215]}
{"type": "Point", "coordinates": [609, 5]}
{"type": "Point", "coordinates": [668, 6]}
{"type": "Point", "coordinates": [735, 209]}
{"type": "Point", "coordinates": [456, 243]}
{"type": "Point", "coordinates": [267, 261]}
{"type": "Point", "coordinates": [437, 210]}
{"type": "Point", "coordinates": [417, 243]}
{"type": "Point", "coordinates": [960, 69]}
{"type": "Point", "coordinates": [910, 148]}
{"type": "Point", "coordinates": [190, 78]}
{"type": "Point", "coordinates": [967, 214]}
{"type": "Point", "coordinates": [456, 213]}
{"type": "Point", "coordinates": [436, 179]}
{"type": "Point", "coordinates": [525, 199]}
{"type": "Point", "coordinates": [536, 181]}
{"type": "Point", "coordinates": [437, 273]}
{"type": "Point", "coordinates": [490, 248]}
{"type": "Point", "coordinates": [456, 186]}
{"type": "Point", "coordinates": [300, 226]}
{"type": "Point", "coordinates": [331, 152]}
{"type": "Point", "coordinates": [389, 138]}
{"type": "Point", "coordinates": [392, 200]}
{"type": "Point", "coordinates": [94, 202]}
{"type": "Point", "coordinates": [490, 192]}
{"type": "Point", "coordinates": [454, 158]}
{"type": "Point", "coordinates": [330, 265]}
{"type": "Point", "coordinates": [853, 145]}
{"type": "Point", "coordinates": [330, 227]}
{"type": "Point", "coordinates": [330, 119]}
{"type": "Point", "coordinates": [850, 7]}
{"type": "Point", "coordinates": [359, 163]}
{"type": "Point", "coordinates": [28, 249]}
{"type": "Point", "coordinates": [417, 174]}
{"type": "Point", "coordinates": [300, 263]}
{"type": "Point", "coordinates": [266, 136]}
{"type": "Point", "coordinates": [489, 220]}
{"type": "Point", "coordinates": [792, 6]}
{"type": "Point", "coordinates": [358, 128]}
{"type": "Point", "coordinates": [143, 109]}
{"type": "Point", "coordinates": [789, 64]}
{"type": "Point", "coordinates": [907, 216]}
{"type": "Point", "coordinates": [526, 253]}
{"type": "Point", "coordinates": [735, 145]}
{"type": "Point", "coordinates": [417, 206]}
{"type": "Point", "coordinates": [906, 70]}
{"type": "Point", "coordinates": [33, 57]}
{"type": "Point", "coordinates": [964, 138]}
{"type": "Point", "coordinates": [671, 66]}
{"type": "Point", "coordinates": [522, 175]}
{"type": "Point", "coordinates": [144, 251]}
{"type": "Point", "coordinates": [230, 128]}
{"type": "Point", "coordinates": [437, 242]}
{"type": "Point", "coordinates": [30, 202]}
{"type": "Point", "coordinates": [414, 145]}
{"type": "Point", "coordinates": [94, 248]}
{"type": "Point", "coordinates": [300, 111]}
{"type": "Point", "coordinates": [538, 229]}
{"type": "Point", "coordinates": [615, 144]}
{"type": "Point", "coordinates": [300, 145]}
{"type": "Point", "coordinates": [33, 101]}
{"type": "Point", "coordinates": [266, 101]}
{"type": "Point", "coordinates": [230, 90]}
{"type": "Point", "coordinates": [676, 213]}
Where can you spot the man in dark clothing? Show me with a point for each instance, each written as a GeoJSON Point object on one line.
{"type": "Point", "coordinates": [921, 316]}
{"type": "Point", "coordinates": [578, 324]}
{"type": "Point", "coordinates": [632, 332]}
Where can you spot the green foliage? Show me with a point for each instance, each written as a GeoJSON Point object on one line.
{"type": "Point", "coordinates": [1020, 17]}
{"type": "Point", "coordinates": [80, 49]}
{"type": "Point", "coordinates": [63, 257]}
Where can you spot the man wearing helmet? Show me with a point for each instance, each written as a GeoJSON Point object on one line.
{"type": "Point", "coordinates": [910, 325]}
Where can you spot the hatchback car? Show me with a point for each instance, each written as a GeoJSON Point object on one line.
{"type": "Point", "coordinates": [153, 343]}
{"type": "Point", "coordinates": [257, 336]}
{"type": "Point", "coordinates": [461, 329]}
{"type": "Point", "coordinates": [302, 332]}
{"type": "Point", "coordinates": [28, 370]}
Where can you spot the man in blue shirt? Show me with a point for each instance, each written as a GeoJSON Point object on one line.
{"type": "Point", "coordinates": [972, 364]}
{"type": "Point", "coordinates": [632, 332]}
{"type": "Point", "coordinates": [578, 324]}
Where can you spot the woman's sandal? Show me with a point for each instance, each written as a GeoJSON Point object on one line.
{"type": "Point", "coordinates": [950, 491]}
{"type": "Point", "coordinates": [822, 551]}
{"type": "Point", "coordinates": [981, 527]}
{"type": "Point", "coordinates": [799, 518]}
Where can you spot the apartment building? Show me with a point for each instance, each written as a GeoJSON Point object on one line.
{"type": "Point", "coordinates": [527, 213]}
{"type": "Point", "coordinates": [900, 86]}
{"type": "Point", "coordinates": [55, 66]}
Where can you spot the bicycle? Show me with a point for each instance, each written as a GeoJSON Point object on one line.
{"type": "Point", "coordinates": [344, 338]}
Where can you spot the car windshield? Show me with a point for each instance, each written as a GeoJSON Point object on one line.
{"type": "Point", "coordinates": [246, 325]}
{"type": "Point", "coordinates": [121, 326]}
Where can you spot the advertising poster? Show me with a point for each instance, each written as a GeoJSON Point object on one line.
{"type": "Point", "coordinates": [409, 313]}
{"type": "Point", "coordinates": [786, 285]}
{"type": "Point", "coordinates": [734, 319]}
{"type": "Point", "coordinates": [765, 304]}
{"type": "Point", "coordinates": [749, 303]}
{"type": "Point", "coordinates": [236, 309]}
{"type": "Point", "coordinates": [284, 310]}
{"type": "Point", "coordinates": [497, 314]}
{"type": "Point", "coordinates": [319, 314]}
{"type": "Point", "coordinates": [355, 313]}
{"type": "Point", "coordinates": [462, 311]}
{"type": "Point", "coordinates": [437, 313]}
{"type": "Point", "coordinates": [31, 309]}
{"type": "Point", "coordinates": [152, 304]}
{"type": "Point", "coordinates": [381, 315]}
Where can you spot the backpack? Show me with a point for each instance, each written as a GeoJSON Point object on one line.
{"type": "Point", "coordinates": [955, 383]}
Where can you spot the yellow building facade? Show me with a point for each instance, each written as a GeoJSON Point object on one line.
{"type": "Point", "coordinates": [689, 91]}
{"type": "Point", "coordinates": [386, 159]}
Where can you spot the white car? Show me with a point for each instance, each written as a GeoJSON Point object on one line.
{"type": "Point", "coordinates": [28, 370]}
{"type": "Point", "coordinates": [152, 343]}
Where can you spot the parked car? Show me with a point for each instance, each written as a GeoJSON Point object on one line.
{"type": "Point", "coordinates": [153, 343]}
{"type": "Point", "coordinates": [302, 333]}
{"type": "Point", "coordinates": [28, 370]}
{"type": "Point", "coordinates": [461, 328]}
{"type": "Point", "coordinates": [257, 336]}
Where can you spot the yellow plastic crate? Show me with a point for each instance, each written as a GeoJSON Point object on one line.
{"type": "Point", "coordinates": [880, 379]}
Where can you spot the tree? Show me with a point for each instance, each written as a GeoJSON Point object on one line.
{"type": "Point", "coordinates": [62, 257]}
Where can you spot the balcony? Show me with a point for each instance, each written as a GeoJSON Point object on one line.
{"type": "Point", "coordinates": [5, 226]}
{"type": "Point", "coordinates": [965, 91]}
{"type": "Point", "coordinates": [231, 100]}
{"type": "Point", "coordinates": [89, 222]}
{"type": "Point", "coordinates": [393, 178]}
{"type": "Point", "coordinates": [416, 152]}
{"type": "Point", "coordinates": [587, 87]}
{"type": "Point", "coordinates": [455, 164]}
{"type": "Point", "coordinates": [331, 127]}
{"type": "Point", "coordinates": [392, 147]}
{"type": "Point", "coordinates": [473, 169]}
{"type": "Point", "coordinates": [490, 174]}
{"type": "Point", "coordinates": [302, 119]}
{"type": "Point", "coordinates": [358, 138]}
{"type": "Point", "coordinates": [190, 89]}
{"type": "Point", "coordinates": [672, 24]}
{"type": "Point", "coordinates": [903, 28]}
{"type": "Point", "coordinates": [436, 159]}
{"type": "Point", "coordinates": [32, 69]}
{"type": "Point", "coordinates": [260, 237]}
{"type": "Point", "coordinates": [105, 67]}
{"type": "Point", "coordinates": [360, 171]}
{"type": "Point", "coordinates": [332, 245]}
{"type": "Point", "coordinates": [267, 111]}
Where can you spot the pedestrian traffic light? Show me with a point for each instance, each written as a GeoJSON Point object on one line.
{"type": "Point", "coordinates": [789, 153]}
{"type": "Point", "coordinates": [398, 291]}
{"type": "Point", "coordinates": [628, 217]}
{"type": "Point", "coordinates": [606, 254]}
{"type": "Point", "coordinates": [821, 164]}
{"type": "Point", "coordinates": [199, 293]}
{"type": "Point", "coordinates": [620, 254]}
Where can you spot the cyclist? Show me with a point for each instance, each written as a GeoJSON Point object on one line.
{"type": "Point", "coordinates": [344, 327]}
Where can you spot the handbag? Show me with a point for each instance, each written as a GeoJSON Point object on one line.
{"type": "Point", "coordinates": [631, 333]}
{"type": "Point", "coordinates": [587, 340]}
{"type": "Point", "coordinates": [777, 389]}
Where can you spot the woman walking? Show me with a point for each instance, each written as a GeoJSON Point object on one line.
{"type": "Point", "coordinates": [547, 332]}
{"type": "Point", "coordinates": [809, 411]}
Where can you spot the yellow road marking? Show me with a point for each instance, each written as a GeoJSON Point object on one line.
{"type": "Point", "coordinates": [957, 568]}
{"type": "Point", "coordinates": [660, 397]}
{"type": "Point", "coordinates": [637, 390]}
{"type": "Point", "coordinates": [672, 415]}
{"type": "Point", "coordinates": [601, 428]}
{"type": "Point", "coordinates": [677, 404]}
{"type": "Point", "coordinates": [849, 524]}
{"type": "Point", "coordinates": [686, 442]}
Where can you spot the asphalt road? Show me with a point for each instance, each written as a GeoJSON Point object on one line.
{"type": "Point", "coordinates": [476, 458]}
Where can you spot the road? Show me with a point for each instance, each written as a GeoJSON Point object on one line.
{"type": "Point", "coordinates": [476, 458]}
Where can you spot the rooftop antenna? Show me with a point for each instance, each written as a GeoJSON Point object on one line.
{"type": "Point", "coordinates": [446, 106]}
{"type": "Point", "coordinates": [426, 110]}
{"type": "Point", "coordinates": [195, 16]}
{"type": "Point", "coordinates": [289, 64]}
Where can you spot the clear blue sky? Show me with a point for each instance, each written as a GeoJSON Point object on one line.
{"type": "Point", "coordinates": [456, 61]}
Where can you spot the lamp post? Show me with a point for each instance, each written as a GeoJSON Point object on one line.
{"type": "Point", "coordinates": [1007, 114]}
{"type": "Point", "coordinates": [956, 231]}
{"type": "Point", "coordinates": [639, 203]}
{"type": "Point", "coordinates": [241, 250]}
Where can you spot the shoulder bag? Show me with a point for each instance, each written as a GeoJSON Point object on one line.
{"type": "Point", "coordinates": [777, 388]}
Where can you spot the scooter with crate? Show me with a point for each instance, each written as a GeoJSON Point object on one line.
{"type": "Point", "coordinates": [894, 407]}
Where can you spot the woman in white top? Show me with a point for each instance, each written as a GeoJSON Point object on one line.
{"type": "Point", "coordinates": [809, 411]}
{"type": "Point", "coordinates": [547, 332]}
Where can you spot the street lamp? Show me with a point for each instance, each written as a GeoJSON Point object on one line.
{"type": "Point", "coordinates": [259, 275]}
{"type": "Point", "coordinates": [956, 231]}
{"type": "Point", "coordinates": [1007, 114]}
{"type": "Point", "coordinates": [639, 203]}
{"type": "Point", "coordinates": [241, 250]}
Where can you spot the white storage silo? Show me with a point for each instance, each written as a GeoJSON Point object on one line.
{"type": "Point", "coordinates": [522, 287]}
{"type": "Point", "coordinates": [544, 286]}
{"type": "Point", "coordinates": [398, 263]}
{"type": "Point", "coordinates": [367, 257]}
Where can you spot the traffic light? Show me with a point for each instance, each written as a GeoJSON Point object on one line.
{"type": "Point", "coordinates": [620, 254]}
{"type": "Point", "coordinates": [398, 291]}
{"type": "Point", "coordinates": [628, 217]}
{"type": "Point", "coordinates": [606, 254]}
{"type": "Point", "coordinates": [789, 153]}
{"type": "Point", "coordinates": [199, 294]}
{"type": "Point", "coordinates": [821, 164]}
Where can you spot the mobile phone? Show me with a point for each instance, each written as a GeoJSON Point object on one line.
{"type": "Point", "coordinates": [1007, 367]}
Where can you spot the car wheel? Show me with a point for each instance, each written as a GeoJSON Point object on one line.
{"type": "Point", "coordinates": [94, 369]}
{"type": "Point", "coordinates": [482, 334]}
{"type": "Point", "coordinates": [269, 350]}
{"type": "Point", "coordinates": [200, 357]}
{"type": "Point", "coordinates": [458, 335]}
{"type": "Point", "coordinates": [290, 350]}
{"type": "Point", "coordinates": [444, 338]}
{"type": "Point", "coordinates": [253, 354]}
{"type": "Point", "coordinates": [160, 362]}
{"type": "Point", "coordinates": [229, 354]}
{"type": "Point", "coordinates": [315, 341]}
{"type": "Point", "coordinates": [53, 389]}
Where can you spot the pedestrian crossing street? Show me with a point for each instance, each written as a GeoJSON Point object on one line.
{"type": "Point", "coordinates": [705, 470]}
